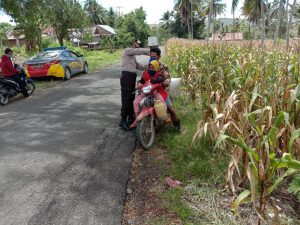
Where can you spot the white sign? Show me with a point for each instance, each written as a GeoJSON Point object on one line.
{"type": "Point", "coordinates": [152, 41]}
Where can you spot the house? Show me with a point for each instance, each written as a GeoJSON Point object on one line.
{"type": "Point", "coordinates": [14, 39]}
{"type": "Point", "coordinates": [235, 36]}
{"type": "Point", "coordinates": [97, 32]}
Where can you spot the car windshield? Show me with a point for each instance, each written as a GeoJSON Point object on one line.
{"type": "Point", "coordinates": [46, 54]}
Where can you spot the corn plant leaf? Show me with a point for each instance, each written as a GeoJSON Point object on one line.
{"type": "Point", "coordinates": [279, 180]}
{"type": "Point", "coordinates": [294, 164]}
{"type": "Point", "coordinates": [215, 110]}
{"type": "Point", "coordinates": [239, 143]}
{"type": "Point", "coordinates": [254, 97]}
{"type": "Point", "coordinates": [282, 117]}
{"type": "Point", "coordinates": [294, 136]}
{"type": "Point", "coordinates": [242, 198]}
{"type": "Point", "coordinates": [252, 174]}
{"type": "Point", "coordinates": [295, 94]}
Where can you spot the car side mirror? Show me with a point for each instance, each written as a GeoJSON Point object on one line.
{"type": "Point", "coordinates": [80, 55]}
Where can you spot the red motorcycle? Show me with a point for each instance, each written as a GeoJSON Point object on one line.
{"type": "Point", "coordinates": [151, 115]}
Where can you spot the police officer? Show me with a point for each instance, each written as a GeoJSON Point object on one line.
{"type": "Point", "coordinates": [128, 81]}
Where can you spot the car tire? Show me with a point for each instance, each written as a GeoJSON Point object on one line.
{"type": "Point", "coordinates": [67, 74]}
{"type": "Point", "coordinates": [85, 68]}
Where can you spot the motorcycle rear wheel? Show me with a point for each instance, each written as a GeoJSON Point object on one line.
{"type": "Point", "coordinates": [30, 87]}
{"type": "Point", "coordinates": [145, 133]}
{"type": "Point", "coordinates": [3, 96]}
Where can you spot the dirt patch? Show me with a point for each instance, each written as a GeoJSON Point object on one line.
{"type": "Point", "coordinates": [144, 204]}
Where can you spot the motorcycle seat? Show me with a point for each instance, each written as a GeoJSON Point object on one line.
{"type": "Point", "coordinates": [7, 80]}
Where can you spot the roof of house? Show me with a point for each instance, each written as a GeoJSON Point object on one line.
{"type": "Point", "coordinates": [11, 36]}
{"type": "Point", "coordinates": [104, 30]}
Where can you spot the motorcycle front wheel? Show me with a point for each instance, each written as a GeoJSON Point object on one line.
{"type": "Point", "coordinates": [30, 87]}
{"type": "Point", "coordinates": [145, 133]}
{"type": "Point", "coordinates": [3, 96]}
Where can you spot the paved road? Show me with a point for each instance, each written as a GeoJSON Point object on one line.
{"type": "Point", "coordinates": [63, 160]}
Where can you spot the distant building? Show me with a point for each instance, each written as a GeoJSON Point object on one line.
{"type": "Point", "coordinates": [14, 39]}
{"type": "Point", "coordinates": [97, 32]}
{"type": "Point", "coordinates": [237, 36]}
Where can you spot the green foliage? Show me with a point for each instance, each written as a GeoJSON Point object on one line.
{"type": "Point", "coordinates": [4, 28]}
{"type": "Point", "coordinates": [133, 24]}
{"type": "Point", "coordinates": [172, 25]}
{"type": "Point", "coordinates": [111, 17]}
{"type": "Point", "coordinates": [62, 17]}
{"type": "Point", "coordinates": [294, 186]}
{"type": "Point", "coordinates": [30, 17]}
{"type": "Point", "coordinates": [97, 14]}
{"type": "Point", "coordinates": [179, 207]}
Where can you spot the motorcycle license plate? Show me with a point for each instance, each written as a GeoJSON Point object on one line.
{"type": "Point", "coordinates": [147, 89]}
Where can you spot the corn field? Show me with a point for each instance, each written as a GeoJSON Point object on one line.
{"type": "Point", "coordinates": [250, 99]}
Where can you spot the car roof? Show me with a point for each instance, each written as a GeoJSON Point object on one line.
{"type": "Point", "coordinates": [55, 48]}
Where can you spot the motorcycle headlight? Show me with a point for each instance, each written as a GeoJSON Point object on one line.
{"type": "Point", "coordinates": [147, 102]}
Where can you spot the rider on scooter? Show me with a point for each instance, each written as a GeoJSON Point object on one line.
{"type": "Point", "coordinates": [9, 71]}
{"type": "Point", "coordinates": [155, 77]}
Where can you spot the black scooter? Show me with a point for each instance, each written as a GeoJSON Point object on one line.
{"type": "Point", "coordinates": [10, 88]}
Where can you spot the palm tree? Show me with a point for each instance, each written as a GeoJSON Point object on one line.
{"type": "Point", "coordinates": [234, 5]}
{"type": "Point", "coordinates": [185, 9]}
{"type": "Point", "coordinates": [252, 10]}
{"type": "Point", "coordinates": [166, 20]}
{"type": "Point", "coordinates": [97, 14]}
{"type": "Point", "coordinates": [215, 8]}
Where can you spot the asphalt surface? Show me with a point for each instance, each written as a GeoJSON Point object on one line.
{"type": "Point", "coordinates": [63, 159]}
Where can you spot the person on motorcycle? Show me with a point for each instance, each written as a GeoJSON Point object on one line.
{"type": "Point", "coordinates": [9, 71]}
{"type": "Point", "coordinates": [155, 54]}
{"type": "Point", "coordinates": [155, 77]}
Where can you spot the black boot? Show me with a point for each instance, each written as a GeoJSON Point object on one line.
{"type": "Point", "coordinates": [176, 125]}
{"type": "Point", "coordinates": [124, 125]}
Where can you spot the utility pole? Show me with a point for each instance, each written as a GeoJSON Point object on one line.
{"type": "Point", "coordinates": [118, 10]}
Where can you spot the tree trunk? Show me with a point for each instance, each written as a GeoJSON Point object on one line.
{"type": "Point", "coordinates": [254, 30]}
{"type": "Point", "coordinates": [289, 23]}
{"type": "Point", "coordinates": [278, 23]}
{"type": "Point", "coordinates": [61, 41]}
{"type": "Point", "coordinates": [189, 27]}
{"type": "Point", "coordinates": [262, 6]}
{"type": "Point", "coordinates": [233, 25]}
{"type": "Point", "coordinates": [209, 19]}
{"type": "Point", "coordinates": [192, 29]}
{"type": "Point", "coordinates": [213, 28]}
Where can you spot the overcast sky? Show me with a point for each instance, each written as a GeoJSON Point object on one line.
{"type": "Point", "coordinates": [153, 8]}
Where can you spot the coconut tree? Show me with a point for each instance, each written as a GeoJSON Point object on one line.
{"type": "Point", "coordinates": [97, 14]}
{"type": "Point", "coordinates": [252, 11]}
{"type": "Point", "coordinates": [216, 7]}
{"type": "Point", "coordinates": [234, 5]}
{"type": "Point", "coordinates": [185, 9]}
{"type": "Point", "coordinates": [166, 20]}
